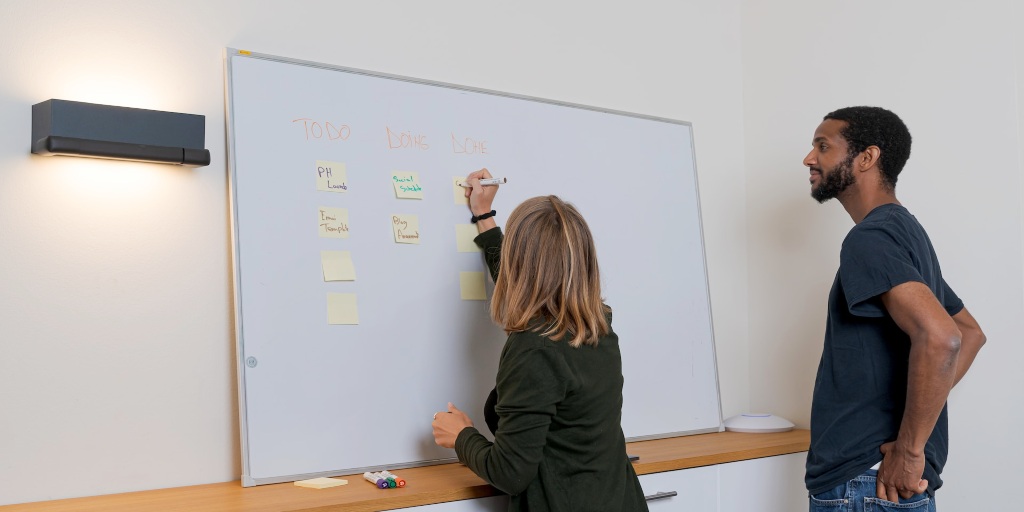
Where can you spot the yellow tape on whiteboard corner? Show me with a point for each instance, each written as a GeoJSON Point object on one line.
{"type": "Point", "coordinates": [244, 52]}
{"type": "Point", "coordinates": [321, 483]}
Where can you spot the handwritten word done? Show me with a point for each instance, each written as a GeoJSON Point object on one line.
{"type": "Point", "coordinates": [469, 146]}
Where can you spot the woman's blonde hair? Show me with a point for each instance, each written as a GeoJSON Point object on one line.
{"type": "Point", "coordinates": [548, 279]}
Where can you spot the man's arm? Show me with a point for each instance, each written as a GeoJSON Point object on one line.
{"type": "Point", "coordinates": [935, 344]}
{"type": "Point", "coordinates": [972, 339]}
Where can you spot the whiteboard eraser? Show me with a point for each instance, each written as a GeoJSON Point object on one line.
{"type": "Point", "coordinates": [321, 483]}
{"type": "Point", "coordinates": [757, 423]}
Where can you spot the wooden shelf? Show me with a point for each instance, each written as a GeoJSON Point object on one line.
{"type": "Point", "coordinates": [425, 485]}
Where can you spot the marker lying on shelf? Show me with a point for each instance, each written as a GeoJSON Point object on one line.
{"type": "Point", "coordinates": [375, 479]}
{"type": "Point", "coordinates": [391, 481]}
{"type": "Point", "coordinates": [389, 475]}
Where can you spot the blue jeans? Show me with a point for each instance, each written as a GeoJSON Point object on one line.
{"type": "Point", "coordinates": [858, 495]}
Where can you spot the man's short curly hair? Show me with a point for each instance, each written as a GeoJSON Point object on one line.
{"type": "Point", "coordinates": [875, 126]}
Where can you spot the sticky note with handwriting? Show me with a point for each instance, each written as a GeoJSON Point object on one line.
{"type": "Point", "coordinates": [459, 191]}
{"type": "Point", "coordinates": [341, 309]}
{"type": "Point", "coordinates": [406, 228]}
{"type": "Point", "coordinates": [407, 185]}
{"type": "Point", "coordinates": [337, 266]}
{"type": "Point", "coordinates": [333, 222]}
{"type": "Point", "coordinates": [331, 177]}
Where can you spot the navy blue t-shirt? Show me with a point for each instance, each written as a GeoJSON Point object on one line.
{"type": "Point", "coordinates": [861, 388]}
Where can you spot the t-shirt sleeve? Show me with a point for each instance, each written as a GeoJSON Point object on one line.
{"type": "Point", "coordinates": [950, 300]}
{"type": "Point", "coordinates": [871, 263]}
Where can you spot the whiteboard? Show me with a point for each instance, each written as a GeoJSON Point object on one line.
{"type": "Point", "coordinates": [321, 399]}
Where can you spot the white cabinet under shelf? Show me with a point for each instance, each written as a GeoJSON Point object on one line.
{"type": "Point", "coordinates": [695, 489]}
{"type": "Point", "coordinates": [770, 484]}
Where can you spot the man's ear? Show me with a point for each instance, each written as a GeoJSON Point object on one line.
{"type": "Point", "coordinates": [869, 158]}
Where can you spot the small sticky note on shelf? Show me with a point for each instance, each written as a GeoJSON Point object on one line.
{"type": "Point", "coordinates": [459, 191]}
{"type": "Point", "coordinates": [406, 228]}
{"type": "Point", "coordinates": [337, 266]}
{"type": "Point", "coordinates": [333, 222]}
{"type": "Point", "coordinates": [341, 309]}
{"type": "Point", "coordinates": [407, 185]}
{"type": "Point", "coordinates": [321, 483]}
{"type": "Point", "coordinates": [464, 236]}
{"type": "Point", "coordinates": [472, 286]}
{"type": "Point", "coordinates": [331, 177]}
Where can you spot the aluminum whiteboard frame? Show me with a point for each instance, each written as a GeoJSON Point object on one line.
{"type": "Point", "coordinates": [231, 53]}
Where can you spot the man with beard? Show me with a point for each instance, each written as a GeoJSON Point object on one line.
{"type": "Point", "coordinates": [897, 338]}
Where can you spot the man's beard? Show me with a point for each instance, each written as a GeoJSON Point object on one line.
{"type": "Point", "coordinates": [835, 182]}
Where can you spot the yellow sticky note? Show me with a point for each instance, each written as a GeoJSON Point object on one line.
{"type": "Point", "coordinates": [459, 191]}
{"type": "Point", "coordinates": [337, 266]}
{"type": "Point", "coordinates": [464, 235]}
{"type": "Point", "coordinates": [407, 185]}
{"type": "Point", "coordinates": [341, 309]}
{"type": "Point", "coordinates": [472, 286]}
{"type": "Point", "coordinates": [331, 177]}
{"type": "Point", "coordinates": [333, 222]}
{"type": "Point", "coordinates": [321, 483]}
{"type": "Point", "coordinates": [406, 228]}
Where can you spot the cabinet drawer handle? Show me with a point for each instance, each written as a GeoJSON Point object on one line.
{"type": "Point", "coordinates": [661, 495]}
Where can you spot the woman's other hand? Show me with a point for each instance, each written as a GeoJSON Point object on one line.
{"type": "Point", "coordinates": [448, 424]}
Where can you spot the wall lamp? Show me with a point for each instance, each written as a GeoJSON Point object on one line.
{"type": "Point", "coordinates": [73, 128]}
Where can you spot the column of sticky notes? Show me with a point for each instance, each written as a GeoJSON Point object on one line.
{"type": "Point", "coordinates": [333, 223]}
{"type": "Point", "coordinates": [471, 284]}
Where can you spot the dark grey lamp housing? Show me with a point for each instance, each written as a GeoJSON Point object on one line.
{"type": "Point", "coordinates": [73, 128]}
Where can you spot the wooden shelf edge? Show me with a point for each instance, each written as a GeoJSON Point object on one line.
{"type": "Point", "coordinates": [428, 485]}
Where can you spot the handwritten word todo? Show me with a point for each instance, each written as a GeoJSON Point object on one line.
{"type": "Point", "coordinates": [316, 130]}
{"type": "Point", "coordinates": [469, 146]}
{"type": "Point", "coordinates": [406, 139]}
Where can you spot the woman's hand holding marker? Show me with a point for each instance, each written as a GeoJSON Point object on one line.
{"type": "Point", "coordinates": [481, 198]}
{"type": "Point", "coordinates": [447, 425]}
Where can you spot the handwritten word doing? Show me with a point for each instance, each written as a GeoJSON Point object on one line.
{"type": "Point", "coordinates": [468, 145]}
{"type": "Point", "coordinates": [314, 128]}
{"type": "Point", "coordinates": [406, 139]}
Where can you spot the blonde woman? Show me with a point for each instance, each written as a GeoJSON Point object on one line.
{"type": "Point", "coordinates": [558, 443]}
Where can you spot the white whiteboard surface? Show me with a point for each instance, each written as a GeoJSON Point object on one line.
{"type": "Point", "coordinates": [319, 399]}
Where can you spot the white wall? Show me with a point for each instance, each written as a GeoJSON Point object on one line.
{"type": "Point", "coordinates": [948, 69]}
{"type": "Point", "coordinates": [116, 350]}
